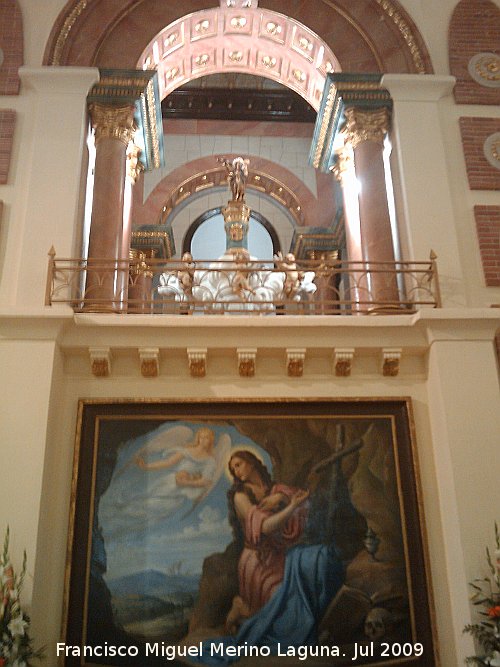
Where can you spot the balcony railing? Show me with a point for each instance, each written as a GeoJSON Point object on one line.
{"type": "Point", "coordinates": [239, 285]}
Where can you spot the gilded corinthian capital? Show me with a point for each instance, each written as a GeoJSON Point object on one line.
{"type": "Point", "coordinates": [363, 125]}
{"type": "Point", "coordinates": [112, 122]}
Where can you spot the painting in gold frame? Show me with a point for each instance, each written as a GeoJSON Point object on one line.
{"type": "Point", "coordinates": [247, 532]}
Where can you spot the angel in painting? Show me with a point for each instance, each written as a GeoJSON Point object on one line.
{"type": "Point", "coordinates": [182, 466]}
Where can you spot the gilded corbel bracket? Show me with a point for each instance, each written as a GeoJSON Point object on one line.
{"type": "Point", "coordinates": [246, 361]}
{"type": "Point", "coordinates": [197, 359]}
{"type": "Point", "coordinates": [295, 358]}
{"type": "Point", "coordinates": [390, 361]}
{"type": "Point", "coordinates": [342, 361]}
{"type": "Point", "coordinates": [150, 361]}
{"type": "Point", "coordinates": [100, 361]}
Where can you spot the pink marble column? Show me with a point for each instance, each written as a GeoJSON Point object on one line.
{"type": "Point", "coordinates": [365, 132]}
{"type": "Point", "coordinates": [355, 286]}
{"type": "Point", "coordinates": [107, 276]}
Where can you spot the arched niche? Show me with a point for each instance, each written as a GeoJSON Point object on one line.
{"type": "Point", "coordinates": [375, 36]}
{"type": "Point", "coordinates": [209, 215]}
{"type": "Point", "coordinates": [266, 177]}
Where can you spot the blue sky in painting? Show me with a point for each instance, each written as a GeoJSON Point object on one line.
{"type": "Point", "coordinates": [149, 524]}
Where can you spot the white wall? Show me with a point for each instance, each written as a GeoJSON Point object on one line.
{"type": "Point", "coordinates": [451, 374]}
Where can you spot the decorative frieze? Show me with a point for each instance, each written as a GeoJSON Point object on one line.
{"type": "Point", "coordinates": [100, 361]}
{"type": "Point", "coordinates": [197, 359]}
{"type": "Point", "coordinates": [295, 358]}
{"type": "Point", "coordinates": [127, 102]}
{"type": "Point", "coordinates": [354, 104]}
{"type": "Point", "coordinates": [246, 361]}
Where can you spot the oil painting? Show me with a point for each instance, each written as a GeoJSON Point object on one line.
{"type": "Point", "coordinates": [249, 532]}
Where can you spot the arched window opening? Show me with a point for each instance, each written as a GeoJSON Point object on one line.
{"type": "Point", "coordinates": [205, 238]}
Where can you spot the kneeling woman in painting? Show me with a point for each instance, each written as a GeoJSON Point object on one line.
{"type": "Point", "coordinates": [284, 586]}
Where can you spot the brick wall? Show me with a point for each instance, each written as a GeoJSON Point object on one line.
{"type": "Point", "coordinates": [7, 124]}
{"type": "Point", "coordinates": [481, 174]}
{"type": "Point", "coordinates": [488, 232]}
{"type": "Point", "coordinates": [474, 29]}
{"type": "Point", "coordinates": [11, 44]}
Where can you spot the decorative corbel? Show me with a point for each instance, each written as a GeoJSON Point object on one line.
{"type": "Point", "coordinates": [100, 361]}
{"type": "Point", "coordinates": [246, 361]}
{"type": "Point", "coordinates": [295, 361]}
{"type": "Point", "coordinates": [342, 361]}
{"type": "Point", "coordinates": [197, 359]}
{"type": "Point", "coordinates": [390, 361]}
{"type": "Point", "coordinates": [150, 361]}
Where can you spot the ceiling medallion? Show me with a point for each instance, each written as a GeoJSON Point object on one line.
{"type": "Point", "coordinates": [238, 22]}
{"type": "Point", "coordinates": [202, 26]}
{"type": "Point", "coordinates": [171, 73]}
{"type": "Point", "coordinates": [484, 68]}
{"type": "Point", "coordinates": [236, 56]}
{"type": "Point", "coordinates": [305, 44]}
{"type": "Point", "coordinates": [170, 39]}
{"type": "Point", "coordinates": [268, 61]}
{"type": "Point", "coordinates": [299, 75]}
{"type": "Point", "coordinates": [491, 150]}
{"type": "Point", "coordinates": [202, 59]}
{"type": "Point", "coordinates": [273, 28]}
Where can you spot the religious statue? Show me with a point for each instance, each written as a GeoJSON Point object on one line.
{"type": "Point", "coordinates": [237, 174]}
{"type": "Point", "coordinates": [293, 277]}
{"type": "Point", "coordinates": [186, 274]}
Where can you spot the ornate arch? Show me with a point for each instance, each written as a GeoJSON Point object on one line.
{"type": "Point", "coordinates": [374, 36]}
{"type": "Point", "coordinates": [265, 177]}
{"type": "Point", "coordinates": [204, 217]}
{"type": "Point", "coordinates": [250, 41]}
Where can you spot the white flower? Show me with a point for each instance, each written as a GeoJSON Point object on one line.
{"type": "Point", "coordinates": [17, 625]}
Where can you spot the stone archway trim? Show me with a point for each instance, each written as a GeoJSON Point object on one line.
{"type": "Point", "coordinates": [92, 32]}
{"type": "Point", "coordinates": [265, 177]}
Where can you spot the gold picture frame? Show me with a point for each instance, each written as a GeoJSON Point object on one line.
{"type": "Point", "coordinates": [158, 533]}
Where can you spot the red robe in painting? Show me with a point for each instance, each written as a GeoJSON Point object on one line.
{"type": "Point", "coordinates": [262, 561]}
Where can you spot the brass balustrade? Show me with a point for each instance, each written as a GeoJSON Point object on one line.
{"type": "Point", "coordinates": [308, 287]}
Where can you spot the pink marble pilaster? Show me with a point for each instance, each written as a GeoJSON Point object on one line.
{"type": "Point", "coordinates": [134, 169]}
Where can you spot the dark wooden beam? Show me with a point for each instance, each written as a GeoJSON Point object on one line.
{"type": "Point", "coordinates": [237, 104]}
